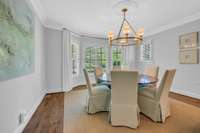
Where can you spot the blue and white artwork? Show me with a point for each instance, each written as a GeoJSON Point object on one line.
{"type": "Point", "coordinates": [16, 39]}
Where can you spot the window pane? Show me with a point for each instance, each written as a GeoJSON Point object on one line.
{"type": "Point", "coordinates": [95, 57]}
{"type": "Point", "coordinates": [89, 59]}
{"type": "Point", "coordinates": [75, 59]}
{"type": "Point", "coordinates": [117, 56]}
{"type": "Point", "coordinates": [146, 52]}
{"type": "Point", "coordinates": [101, 57]}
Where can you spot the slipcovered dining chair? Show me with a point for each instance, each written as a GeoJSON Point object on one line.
{"type": "Point", "coordinates": [99, 96]}
{"type": "Point", "coordinates": [155, 103]}
{"type": "Point", "coordinates": [152, 71]}
{"type": "Point", "coordinates": [98, 72]}
{"type": "Point", "coordinates": [124, 109]}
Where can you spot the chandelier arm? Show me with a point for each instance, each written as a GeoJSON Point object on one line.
{"type": "Point", "coordinates": [131, 27]}
{"type": "Point", "coordinates": [120, 30]}
{"type": "Point", "coordinates": [126, 40]}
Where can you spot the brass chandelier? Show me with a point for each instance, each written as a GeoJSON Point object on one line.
{"type": "Point", "coordinates": [127, 35]}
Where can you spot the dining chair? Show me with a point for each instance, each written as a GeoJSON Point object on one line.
{"type": "Point", "coordinates": [99, 96]}
{"type": "Point", "coordinates": [98, 72]}
{"type": "Point", "coordinates": [124, 110]}
{"type": "Point", "coordinates": [154, 103]}
{"type": "Point", "coordinates": [152, 71]}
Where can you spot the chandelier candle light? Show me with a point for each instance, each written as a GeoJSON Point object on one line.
{"type": "Point", "coordinates": [127, 35]}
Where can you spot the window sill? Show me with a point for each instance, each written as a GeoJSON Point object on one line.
{"type": "Point", "coordinates": [147, 61]}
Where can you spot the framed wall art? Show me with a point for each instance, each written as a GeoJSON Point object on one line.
{"type": "Point", "coordinates": [188, 48]}
{"type": "Point", "coordinates": [16, 39]}
{"type": "Point", "coordinates": [189, 56]}
{"type": "Point", "coordinates": [189, 40]}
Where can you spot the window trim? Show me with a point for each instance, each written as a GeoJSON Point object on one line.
{"type": "Point", "coordinates": [96, 60]}
{"type": "Point", "coordinates": [119, 51]}
{"type": "Point", "coordinates": [78, 58]}
{"type": "Point", "coordinates": [142, 51]}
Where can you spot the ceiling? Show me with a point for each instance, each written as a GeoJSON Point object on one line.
{"type": "Point", "coordinates": [98, 17]}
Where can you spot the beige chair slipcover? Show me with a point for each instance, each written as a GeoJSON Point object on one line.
{"type": "Point", "coordinates": [154, 102]}
{"type": "Point", "coordinates": [99, 96]}
{"type": "Point", "coordinates": [98, 71]}
{"type": "Point", "coordinates": [124, 109]}
{"type": "Point", "coordinates": [152, 71]}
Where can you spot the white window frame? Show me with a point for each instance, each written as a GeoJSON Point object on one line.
{"type": "Point", "coordinates": [122, 54]}
{"type": "Point", "coordinates": [146, 48]}
{"type": "Point", "coordinates": [77, 58]}
{"type": "Point", "coordinates": [95, 54]}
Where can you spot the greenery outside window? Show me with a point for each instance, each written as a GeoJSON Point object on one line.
{"type": "Point", "coordinates": [90, 59]}
{"type": "Point", "coordinates": [95, 57]}
{"type": "Point", "coordinates": [101, 57]}
{"type": "Point", "coordinates": [117, 57]}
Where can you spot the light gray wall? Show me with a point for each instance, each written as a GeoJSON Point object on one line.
{"type": "Point", "coordinates": [53, 41]}
{"type": "Point", "coordinates": [166, 55]}
{"type": "Point", "coordinates": [85, 43]}
{"type": "Point", "coordinates": [23, 93]}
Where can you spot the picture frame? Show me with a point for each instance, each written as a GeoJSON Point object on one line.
{"type": "Point", "coordinates": [189, 40]}
{"type": "Point", "coordinates": [189, 56]}
{"type": "Point", "coordinates": [188, 48]}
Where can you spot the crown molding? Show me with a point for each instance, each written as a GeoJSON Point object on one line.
{"type": "Point", "coordinates": [52, 24]}
{"type": "Point", "coordinates": [49, 23]}
{"type": "Point", "coordinates": [35, 5]}
{"type": "Point", "coordinates": [175, 24]}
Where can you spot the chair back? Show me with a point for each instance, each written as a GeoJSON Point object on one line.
{"type": "Point", "coordinates": [124, 87]}
{"type": "Point", "coordinates": [152, 71]}
{"type": "Point", "coordinates": [166, 83]}
{"type": "Point", "coordinates": [98, 71]}
{"type": "Point", "coordinates": [89, 86]}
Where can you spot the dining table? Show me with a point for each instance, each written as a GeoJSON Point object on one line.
{"type": "Point", "coordinates": [143, 80]}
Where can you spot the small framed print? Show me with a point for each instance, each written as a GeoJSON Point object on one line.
{"type": "Point", "coordinates": [189, 56]}
{"type": "Point", "coordinates": [189, 40]}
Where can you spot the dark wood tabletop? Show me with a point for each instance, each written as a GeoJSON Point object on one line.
{"type": "Point", "coordinates": [143, 79]}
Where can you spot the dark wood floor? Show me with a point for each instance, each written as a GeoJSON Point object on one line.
{"type": "Point", "coordinates": [50, 114]}
{"type": "Point", "coordinates": [185, 99]}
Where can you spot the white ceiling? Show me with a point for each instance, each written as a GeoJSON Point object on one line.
{"type": "Point", "coordinates": [98, 17]}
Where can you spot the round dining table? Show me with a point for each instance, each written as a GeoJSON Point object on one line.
{"type": "Point", "coordinates": [144, 80]}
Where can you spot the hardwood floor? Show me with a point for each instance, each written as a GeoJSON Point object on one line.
{"type": "Point", "coordinates": [185, 99]}
{"type": "Point", "coordinates": [49, 116]}
{"type": "Point", "coordinates": [184, 118]}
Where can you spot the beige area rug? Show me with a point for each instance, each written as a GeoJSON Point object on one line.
{"type": "Point", "coordinates": [184, 118]}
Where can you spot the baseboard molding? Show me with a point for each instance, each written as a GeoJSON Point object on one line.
{"type": "Point", "coordinates": [29, 115]}
{"type": "Point", "coordinates": [54, 91]}
{"type": "Point", "coordinates": [186, 93]}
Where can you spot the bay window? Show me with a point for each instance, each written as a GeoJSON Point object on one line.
{"type": "Point", "coordinates": [75, 58]}
{"type": "Point", "coordinates": [117, 57]}
{"type": "Point", "coordinates": [95, 57]}
{"type": "Point", "coordinates": [146, 52]}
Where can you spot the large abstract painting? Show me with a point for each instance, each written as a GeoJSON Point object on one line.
{"type": "Point", "coordinates": [16, 39]}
